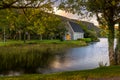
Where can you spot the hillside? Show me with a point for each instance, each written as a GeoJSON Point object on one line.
{"type": "Point", "coordinates": [87, 25]}
{"type": "Point", "coordinates": [90, 26]}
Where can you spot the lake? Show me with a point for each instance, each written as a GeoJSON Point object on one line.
{"type": "Point", "coordinates": [81, 58]}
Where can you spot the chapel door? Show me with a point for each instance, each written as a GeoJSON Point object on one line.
{"type": "Point", "coordinates": [68, 37]}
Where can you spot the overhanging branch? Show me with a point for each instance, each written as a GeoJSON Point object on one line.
{"type": "Point", "coordinates": [117, 20]}
{"type": "Point", "coordinates": [13, 4]}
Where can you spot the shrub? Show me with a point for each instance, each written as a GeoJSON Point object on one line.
{"type": "Point", "coordinates": [85, 39]}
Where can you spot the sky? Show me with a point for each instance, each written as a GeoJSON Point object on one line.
{"type": "Point", "coordinates": [75, 16]}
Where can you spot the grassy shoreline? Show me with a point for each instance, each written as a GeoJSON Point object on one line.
{"type": "Point", "coordinates": [71, 42]}
{"type": "Point", "coordinates": [93, 74]}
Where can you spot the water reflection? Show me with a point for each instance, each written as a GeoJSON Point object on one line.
{"type": "Point", "coordinates": [87, 57]}
{"type": "Point", "coordinates": [82, 58]}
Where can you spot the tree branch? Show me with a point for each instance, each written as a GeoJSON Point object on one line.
{"type": "Point", "coordinates": [117, 20]}
{"type": "Point", "coordinates": [5, 5]}
{"type": "Point", "coordinates": [40, 4]}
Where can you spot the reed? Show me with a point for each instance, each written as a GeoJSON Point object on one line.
{"type": "Point", "coordinates": [17, 56]}
{"type": "Point", "coordinates": [27, 57]}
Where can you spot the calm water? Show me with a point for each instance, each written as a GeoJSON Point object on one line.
{"type": "Point", "coordinates": [87, 57]}
{"type": "Point", "coordinates": [80, 58]}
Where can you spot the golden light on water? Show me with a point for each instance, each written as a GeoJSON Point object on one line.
{"type": "Point", "coordinates": [60, 64]}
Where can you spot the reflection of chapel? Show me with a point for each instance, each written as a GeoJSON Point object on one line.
{"type": "Point", "coordinates": [74, 31]}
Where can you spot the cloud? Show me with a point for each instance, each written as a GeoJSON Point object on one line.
{"type": "Point", "coordinates": [75, 16]}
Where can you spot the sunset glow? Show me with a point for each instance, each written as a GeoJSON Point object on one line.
{"type": "Point", "coordinates": [74, 16]}
{"type": "Point", "coordinates": [63, 13]}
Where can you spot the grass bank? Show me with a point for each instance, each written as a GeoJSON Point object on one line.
{"type": "Point", "coordinates": [95, 74]}
{"type": "Point", "coordinates": [69, 43]}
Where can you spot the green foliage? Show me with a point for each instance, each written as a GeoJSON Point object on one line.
{"type": "Point", "coordinates": [89, 33]}
{"type": "Point", "coordinates": [86, 39]}
{"type": "Point", "coordinates": [104, 33]}
{"type": "Point", "coordinates": [31, 21]}
{"type": "Point", "coordinates": [20, 17]}
{"type": "Point", "coordinates": [4, 21]}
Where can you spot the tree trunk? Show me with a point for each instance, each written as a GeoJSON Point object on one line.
{"type": "Point", "coordinates": [111, 43]}
{"type": "Point", "coordinates": [14, 37]}
{"type": "Point", "coordinates": [40, 37]}
{"type": "Point", "coordinates": [24, 37]}
{"type": "Point", "coordinates": [117, 49]}
{"type": "Point", "coordinates": [20, 35]}
{"type": "Point", "coordinates": [28, 36]}
{"type": "Point", "coordinates": [4, 35]}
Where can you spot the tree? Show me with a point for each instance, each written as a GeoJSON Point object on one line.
{"type": "Point", "coordinates": [20, 4]}
{"type": "Point", "coordinates": [39, 28]}
{"type": "Point", "coordinates": [117, 49]}
{"type": "Point", "coordinates": [4, 22]}
{"type": "Point", "coordinates": [52, 23]}
{"type": "Point", "coordinates": [24, 5]}
{"type": "Point", "coordinates": [62, 30]}
{"type": "Point", "coordinates": [107, 9]}
{"type": "Point", "coordinates": [25, 12]}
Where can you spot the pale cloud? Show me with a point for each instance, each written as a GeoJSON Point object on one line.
{"type": "Point", "coordinates": [75, 16]}
{"type": "Point", "coordinates": [116, 24]}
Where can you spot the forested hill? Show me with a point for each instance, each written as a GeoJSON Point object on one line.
{"type": "Point", "coordinates": [84, 24]}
